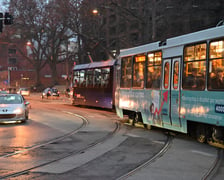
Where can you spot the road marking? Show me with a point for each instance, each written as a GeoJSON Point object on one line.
{"type": "Point", "coordinates": [203, 153]}
{"type": "Point", "coordinates": [132, 135]}
{"type": "Point", "coordinates": [159, 142]}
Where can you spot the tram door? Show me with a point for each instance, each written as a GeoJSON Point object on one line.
{"type": "Point", "coordinates": [171, 92]}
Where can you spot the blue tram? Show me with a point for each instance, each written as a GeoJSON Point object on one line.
{"type": "Point", "coordinates": [94, 84]}
{"type": "Point", "coordinates": [177, 84]}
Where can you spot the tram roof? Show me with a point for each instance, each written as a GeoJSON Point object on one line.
{"type": "Point", "coordinates": [98, 64]}
{"type": "Point", "coordinates": [211, 33]}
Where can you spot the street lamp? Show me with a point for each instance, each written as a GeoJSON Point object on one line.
{"type": "Point", "coordinates": [95, 11]}
{"type": "Point", "coordinates": [111, 53]}
{"type": "Point", "coordinates": [9, 76]}
{"type": "Point", "coordinates": [28, 43]}
{"type": "Point", "coordinates": [29, 48]}
{"type": "Point", "coordinates": [21, 80]}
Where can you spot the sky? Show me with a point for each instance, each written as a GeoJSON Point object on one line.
{"type": "Point", "coordinates": [2, 8]}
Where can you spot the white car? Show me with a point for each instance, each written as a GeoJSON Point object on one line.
{"type": "Point", "coordinates": [24, 91]}
{"type": "Point", "coordinates": [13, 108]}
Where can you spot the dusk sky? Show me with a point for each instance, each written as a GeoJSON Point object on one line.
{"type": "Point", "coordinates": [2, 9]}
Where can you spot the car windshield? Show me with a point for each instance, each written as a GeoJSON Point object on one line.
{"type": "Point", "coordinates": [54, 90]}
{"type": "Point", "coordinates": [48, 89]}
{"type": "Point", "coordinates": [10, 99]}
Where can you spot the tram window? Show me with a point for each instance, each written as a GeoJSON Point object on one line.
{"type": "Point", "coordinates": [76, 78]}
{"type": "Point", "coordinates": [216, 49]}
{"type": "Point", "coordinates": [97, 78]}
{"type": "Point", "coordinates": [194, 67]}
{"type": "Point", "coordinates": [105, 77]}
{"type": "Point", "coordinates": [82, 81]}
{"type": "Point", "coordinates": [195, 52]}
{"type": "Point", "coordinates": [89, 78]}
{"type": "Point", "coordinates": [139, 71]}
{"type": "Point", "coordinates": [216, 66]}
{"type": "Point", "coordinates": [166, 75]}
{"type": "Point", "coordinates": [176, 75]}
{"type": "Point", "coordinates": [154, 70]}
{"type": "Point", "coordinates": [126, 72]}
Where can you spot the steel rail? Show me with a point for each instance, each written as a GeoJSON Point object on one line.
{"type": "Point", "coordinates": [150, 160]}
{"type": "Point", "coordinates": [59, 138]}
{"type": "Point", "coordinates": [215, 166]}
{"type": "Point", "coordinates": [71, 153]}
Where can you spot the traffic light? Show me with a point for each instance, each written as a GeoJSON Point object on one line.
{"type": "Point", "coordinates": [8, 19]}
{"type": "Point", "coordinates": [1, 22]}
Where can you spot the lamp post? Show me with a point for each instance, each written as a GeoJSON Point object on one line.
{"type": "Point", "coordinates": [116, 49]}
{"type": "Point", "coordinates": [9, 76]}
{"type": "Point", "coordinates": [67, 65]}
{"type": "Point", "coordinates": [21, 80]}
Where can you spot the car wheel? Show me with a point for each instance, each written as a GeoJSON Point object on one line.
{"type": "Point", "coordinates": [27, 116]}
{"type": "Point", "coordinates": [24, 120]}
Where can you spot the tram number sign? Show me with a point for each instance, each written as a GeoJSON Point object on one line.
{"type": "Point", "coordinates": [219, 108]}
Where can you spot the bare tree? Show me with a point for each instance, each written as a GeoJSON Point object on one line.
{"type": "Point", "coordinates": [27, 27]}
{"type": "Point", "coordinates": [46, 25]}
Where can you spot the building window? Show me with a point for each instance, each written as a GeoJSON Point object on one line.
{"type": "Point", "coordinates": [12, 51]}
{"type": "Point", "coordinates": [12, 61]}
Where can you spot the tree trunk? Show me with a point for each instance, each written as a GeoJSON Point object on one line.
{"type": "Point", "coordinates": [37, 77]}
{"type": "Point", "coordinates": [54, 74]}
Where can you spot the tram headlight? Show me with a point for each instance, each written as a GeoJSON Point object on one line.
{"type": "Point", "coordinates": [124, 103]}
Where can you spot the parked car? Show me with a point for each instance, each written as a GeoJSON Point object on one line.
{"type": "Point", "coordinates": [23, 91]}
{"type": "Point", "coordinates": [13, 108]}
{"type": "Point", "coordinates": [50, 92]}
{"type": "Point", "coordinates": [3, 92]}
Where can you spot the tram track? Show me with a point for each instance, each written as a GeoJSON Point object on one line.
{"type": "Point", "coordinates": [152, 159]}
{"type": "Point", "coordinates": [71, 153]}
{"type": "Point", "coordinates": [59, 138]}
{"type": "Point", "coordinates": [215, 166]}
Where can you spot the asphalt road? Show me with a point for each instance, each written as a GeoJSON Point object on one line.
{"type": "Point", "coordinates": [110, 154]}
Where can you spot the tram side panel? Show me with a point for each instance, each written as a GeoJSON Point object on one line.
{"type": "Point", "coordinates": [96, 97]}
{"type": "Point", "coordinates": [203, 107]}
{"type": "Point", "coordinates": [151, 105]}
{"type": "Point", "coordinates": [94, 85]}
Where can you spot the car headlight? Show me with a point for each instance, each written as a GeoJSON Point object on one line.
{"type": "Point", "coordinates": [18, 111]}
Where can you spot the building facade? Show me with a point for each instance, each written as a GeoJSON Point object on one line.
{"type": "Point", "coordinates": [121, 24]}
{"type": "Point", "coordinates": [16, 71]}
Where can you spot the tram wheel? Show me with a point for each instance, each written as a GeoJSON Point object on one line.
{"type": "Point", "coordinates": [134, 119]}
{"type": "Point", "coordinates": [201, 138]}
{"type": "Point", "coordinates": [201, 134]}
